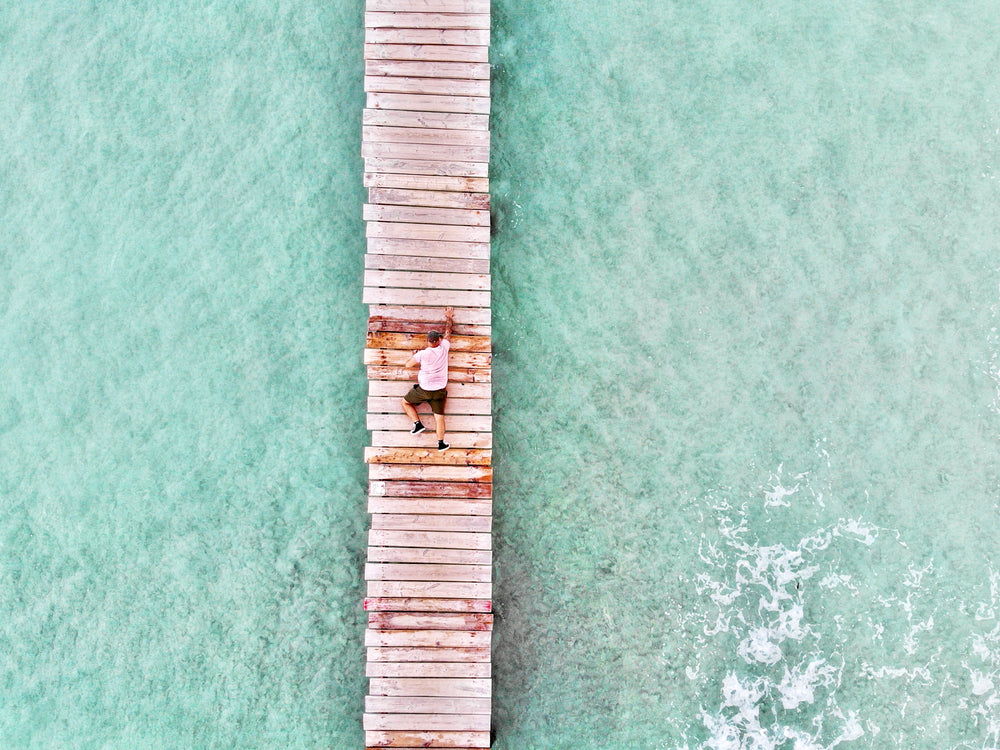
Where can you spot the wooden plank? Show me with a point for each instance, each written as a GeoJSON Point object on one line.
{"type": "Point", "coordinates": [427, 638]}
{"type": "Point", "coordinates": [463, 37]}
{"type": "Point", "coordinates": [428, 69]}
{"type": "Point", "coordinates": [478, 655]}
{"type": "Point", "coordinates": [400, 20]}
{"type": "Point", "coordinates": [433, 6]}
{"type": "Point", "coordinates": [430, 136]}
{"type": "Point", "coordinates": [429, 152]}
{"type": "Point", "coordinates": [457, 456]}
{"type": "Point", "coordinates": [411, 740]}
{"type": "Point", "coordinates": [426, 722]}
{"type": "Point", "coordinates": [419, 280]}
{"type": "Point", "coordinates": [430, 539]}
{"type": "Point", "coordinates": [414, 69]}
{"type": "Point", "coordinates": [419, 555]}
{"type": "Point", "coordinates": [459, 390]}
{"type": "Point", "coordinates": [453, 406]}
{"type": "Point", "coordinates": [411, 342]}
{"type": "Point", "coordinates": [430, 621]}
{"type": "Point", "coordinates": [427, 119]}
{"type": "Point", "coordinates": [427, 86]}
{"type": "Point", "coordinates": [429, 589]}
{"type": "Point", "coordinates": [468, 105]}
{"type": "Point", "coordinates": [427, 669]}
{"type": "Point", "coordinates": [427, 572]}
{"type": "Point", "coordinates": [385, 296]}
{"type": "Point", "coordinates": [436, 232]}
{"type": "Point", "coordinates": [430, 314]}
{"type": "Point", "coordinates": [427, 52]}
{"type": "Point", "coordinates": [430, 522]}
{"type": "Point", "coordinates": [424, 506]}
{"type": "Point", "coordinates": [385, 604]}
{"type": "Point", "coordinates": [388, 165]}
{"type": "Point", "coordinates": [456, 423]}
{"type": "Point", "coordinates": [383, 704]}
{"type": "Point", "coordinates": [433, 198]}
{"type": "Point", "coordinates": [422, 687]}
{"type": "Point", "coordinates": [378, 324]}
{"type": "Point", "coordinates": [403, 439]}
{"type": "Point", "coordinates": [427, 215]}
{"type": "Point", "coordinates": [429, 249]}
{"type": "Point", "coordinates": [455, 375]}
{"type": "Point", "coordinates": [402, 356]}
{"type": "Point", "coordinates": [389, 488]}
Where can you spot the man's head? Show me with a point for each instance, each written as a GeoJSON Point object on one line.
{"type": "Point", "coordinates": [433, 338]}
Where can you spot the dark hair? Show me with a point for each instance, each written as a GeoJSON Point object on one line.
{"type": "Point", "coordinates": [433, 336]}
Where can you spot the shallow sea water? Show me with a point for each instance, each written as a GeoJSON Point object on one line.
{"type": "Point", "coordinates": [747, 375]}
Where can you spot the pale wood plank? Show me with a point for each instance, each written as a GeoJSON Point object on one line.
{"type": "Point", "coordinates": [430, 473]}
{"type": "Point", "coordinates": [479, 655]}
{"type": "Point", "coordinates": [430, 539]}
{"type": "Point", "coordinates": [424, 506]}
{"type": "Point", "coordinates": [430, 621]}
{"type": "Point", "coordinates": [402, 356]}
{"type": "Point", "coordinates": [453, 406]}
{"type": "Point", "coordinates": [438, 153]}
{"type": "Point", "coordinates": [427, 52]}
{"type": "Point", "coordinates": [428, 455]}
{"type": "Point", "coordinates": [412, 740]}
{"type": "Point", "coordinates": [427, 69]}
{"type": "Point", "coordinates": [432, 136]}
{"type": "Point", "coordinates": [462, 37]}
{"type": "Point", "coordinates": [427, 638]}
{"type": "Point", "coordinates": [419, 280]}
{"type": "Point", "coordinates": [474, 186]}
{"type": "Point", "coordinates": [416, 341]}
{"type": "Point", "coordinates": [426, 722]}
{"type": "Point", "coordinates": [456, 423]}
{"type": "Point", "coordinates": [420, 555]}
{"type": "Point", "coordinates": [463, 316]}
{"type": "Point", "coordinates": [427, 669]}
{"type": "Point", "coordinates": [455, 374]}
{"type": "Point", "coordinates": [429, 589]}
{"type": "Point", "coordinates": [437, 232]}
{"type": "Point", "coordinates": [404, 488]}
{"type": "Point", "coordinates": [432, 198]}
{"type": "Point", "coordinates": [427, 86]}
{"type": "Point", "coordinates": [389, 165]}
{"type": "Point", "coordinates": [417, 686]}
{"type": "Point", "coordinates": [427, 119]}
{"type": "Point", "coordinates": [427, 215]}
{"type": "Point", "coordinates": [383, 295]}
{"type": "Point", "coordinates": [427, 572]}
{"type": "Point", "coordinates": [456, 456]}
{"type": "Point", "coordinates": [430, 6]}
{"type": "Point", "coordinates": [402, 439]}
{"type": "Point", "coordinates": [400, 20]}
{"type": "Point", "coordinates": [383, 704]}
{"type": "Point", "coordinates": [430, 522]}
{"type": "Point", "coordinates": [469, 105]}
{"type": "Point", "coordinates": [429, 248]}
{"type": "Point", "coordinates": [459, 390]}
{"type": "Point", "coordinates": [387, 604]}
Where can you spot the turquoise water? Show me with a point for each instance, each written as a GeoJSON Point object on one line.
{"type": "Point", "coordinates": [747, 375]}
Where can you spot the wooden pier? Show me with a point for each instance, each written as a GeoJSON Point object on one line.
{"type": "Point", "coordinates": [426, 148]}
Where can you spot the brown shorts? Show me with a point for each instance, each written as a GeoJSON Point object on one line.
{"type": "Point", "coordinates": [417, 395]}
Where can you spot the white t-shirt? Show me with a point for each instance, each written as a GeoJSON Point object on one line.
{"type": "Point", "coordinates": [433, 361]}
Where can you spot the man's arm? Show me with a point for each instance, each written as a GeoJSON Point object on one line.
{"type": "Point", "coordinates": [449, 319]}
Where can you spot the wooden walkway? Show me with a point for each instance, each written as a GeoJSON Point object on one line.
{"type": "Point", "coordinates": [426, 148]}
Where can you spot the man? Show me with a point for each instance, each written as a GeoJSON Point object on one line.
{"type": "Point", "coordinates": [432, 380]}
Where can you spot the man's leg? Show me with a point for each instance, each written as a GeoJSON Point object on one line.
{"type": "Point", "coordinates": [410, 410]}
{"type": "Point", "coordinates": [439, 425]}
